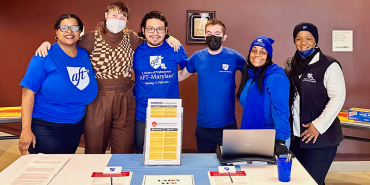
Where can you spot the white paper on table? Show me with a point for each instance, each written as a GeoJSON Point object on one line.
{"type": "Point", "coordinates": [238, 178]}
{"type": "Point", "coordinates": [168, 179]}
{"type": "Point", "coordinates": [40, 170]}
{"type": "Point", "coordinates": [117, 179]}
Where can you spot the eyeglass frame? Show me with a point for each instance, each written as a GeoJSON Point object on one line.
{"type": "Point", "coordinates": [70, 27]}
{"type": "Point", "coordinates": [156, 29]}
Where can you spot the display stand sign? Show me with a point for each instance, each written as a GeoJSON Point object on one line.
{"type": "Point", "coordinates": [163, 132]}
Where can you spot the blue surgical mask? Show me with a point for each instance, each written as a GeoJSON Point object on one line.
{"type": "Point", "coordinates": [305, 54]}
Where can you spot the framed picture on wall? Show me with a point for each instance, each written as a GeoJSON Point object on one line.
{"type": "Point", "coordinates": [195, 25]}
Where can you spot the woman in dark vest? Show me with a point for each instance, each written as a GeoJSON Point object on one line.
{"type": "Point", "coordinates": [317, 94]}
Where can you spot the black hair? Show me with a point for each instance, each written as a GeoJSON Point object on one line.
{"type": "Point", "coordinates": [153, 15]}
{"type": "Point", "coordinates": [245, 76]}
{"type": "Point", "coordinates": [297, 67]}
{"type": "Point", "coordinates": [68, 16]}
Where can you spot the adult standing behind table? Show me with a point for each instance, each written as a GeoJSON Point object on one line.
{"type": "Point", "coordinates": [55, 92]}
{"type": "Point", "coordinates": [264, 93]}
{"type": "Point", "coordinates": [216, 67]}
{"type": "Point", "coordinates": [111, 116]}
{"type": "Point", "coordinates": [317, 94]}
{"type": "Point", "coordinates": [155, 66]}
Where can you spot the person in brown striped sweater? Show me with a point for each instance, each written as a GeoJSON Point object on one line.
{"type": "Point", "coordinates": [111, 116]}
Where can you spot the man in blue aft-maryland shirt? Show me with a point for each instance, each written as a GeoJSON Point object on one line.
{"type": "Point", "coordinates": [155, 66]}
{"type": "Point", "coordinates": [216, 67]}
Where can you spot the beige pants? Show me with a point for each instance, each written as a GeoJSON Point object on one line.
{"type": "Point", "coordinates": [110, 118]}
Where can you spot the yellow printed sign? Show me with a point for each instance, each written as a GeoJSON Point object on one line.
{"type": "Point", "coordinates": [169, 156]}
{"type": "Point", "coordinates": [153, 156]}
{"type": "Point", "coordinates": [156, 141]}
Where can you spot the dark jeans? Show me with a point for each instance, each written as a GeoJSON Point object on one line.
{"type": "Point", "coordinates": [139, 136]}
{"type": "Point", "coordinates": [56, 138]}
{"type": "Point", "coordinates": [209, 138]}
{"type": "Point", "coordinates": [316, 161]}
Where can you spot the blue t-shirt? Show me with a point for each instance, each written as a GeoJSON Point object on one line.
{"type": "Point", "coordinates": [156, 74]}
{"type": "Point", "coordinates": [63, 85]}
{"type": "Point", "coordinates": [216, 85]}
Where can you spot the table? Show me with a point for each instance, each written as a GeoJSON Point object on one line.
{"type": "Point", "coordinates": [359, 125]}
{"type": "Point", "coordinates": [5, 120]}
{"type": "Point", "coordinates": [79, 168]}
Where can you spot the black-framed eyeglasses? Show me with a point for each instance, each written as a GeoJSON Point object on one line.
{"type": "Point", "coordinates": [64, 28]}
{"type": "Point", "coordinates": [151, 29]}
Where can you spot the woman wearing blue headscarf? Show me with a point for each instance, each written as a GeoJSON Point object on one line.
{"type": "Point", "coordinates": [264, 93]}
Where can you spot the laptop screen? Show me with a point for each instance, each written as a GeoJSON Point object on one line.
{"type": "Point", "coordinates": [255, 142]}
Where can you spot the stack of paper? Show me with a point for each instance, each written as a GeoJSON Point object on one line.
{"type": "Point", "coordinates": [237, 178]}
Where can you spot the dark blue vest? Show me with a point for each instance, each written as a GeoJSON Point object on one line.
{"type": "Point", "coordinates": [314, 98]}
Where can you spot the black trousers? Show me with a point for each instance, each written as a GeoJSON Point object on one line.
{"type": "Point", "coordinates": [139, 135]}
{"type": "Point", "coordinates": [209, 138]}
{"type": "Point", "coordinates": [56, 138]}
{"type": "Point", "coordinates": [316, 161]}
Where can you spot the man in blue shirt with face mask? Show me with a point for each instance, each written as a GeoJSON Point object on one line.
{"type": "Point", "coordinates": [216, 67]}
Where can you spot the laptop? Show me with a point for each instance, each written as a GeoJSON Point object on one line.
{"type": "Point", "coordinates": [248, 143]}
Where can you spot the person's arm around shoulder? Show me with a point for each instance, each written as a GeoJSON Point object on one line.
{"type": "Point", "coordinates": [86, 42]}
{"type": "Point", "coordinates": [287, 65]}
{"type": "Point", "coordinates": [336, 89]}
{"type": "Point", "coordinates": [42, 50]}
{"type": "Point", "coordinates": [135, 39]}
{"type": "Point", "coordinates": [27, 137]}
{"type": "Point", "coordinates": [183, 74]}
{"type": "Point", "coordinates": [240, 61]}
{"type": "Point", "coordinates": [174, 43]}
{"type": "Point", "coordinates": [189, 69]}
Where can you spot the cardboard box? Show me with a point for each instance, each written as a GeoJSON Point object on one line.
{"type": "Point", "coordinates": [359, 114]}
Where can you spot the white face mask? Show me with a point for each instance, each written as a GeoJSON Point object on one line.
{"type": "Point", "coordinates": [115, 25]}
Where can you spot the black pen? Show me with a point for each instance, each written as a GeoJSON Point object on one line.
{"type": "Point", "coordinates": [111, 180]}
{"type": "Point", "coordinates": [231, 178]}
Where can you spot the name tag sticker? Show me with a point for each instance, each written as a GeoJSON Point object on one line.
{"type": "Point", "coordinates": [112, 170]}
{"type": "Point", "coordinates": [226, 169]}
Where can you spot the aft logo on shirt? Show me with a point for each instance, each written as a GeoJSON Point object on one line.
{"type": "Point", "coordinates": [225, 68]}
{"type": "Point", "coordinates": [156, 62]}
{"type": "Point", "coordinates": [79, 77]}
{"type": "Point", "coordinates": [309, 78]}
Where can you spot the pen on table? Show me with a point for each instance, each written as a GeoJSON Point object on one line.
{"type": "Point", "coordinates": [111, 180]}
{"type": "Point", "coordinates": [231, 178]}
{"type": "Point", "coordinates": [288, 158]}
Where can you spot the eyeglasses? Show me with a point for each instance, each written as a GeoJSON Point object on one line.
{"type": "Point", "coordinates": [64, 28]}
{"type": "Point", "coordinates": [151, 30]}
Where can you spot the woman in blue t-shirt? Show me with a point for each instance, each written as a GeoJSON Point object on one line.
{"type": "Point", "coordinates": [264, 93]}
{"type": "Point", "coordinates": [55, 92]}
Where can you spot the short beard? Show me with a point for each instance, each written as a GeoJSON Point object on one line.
{"type": "Point", "coordinates": [155, 44]}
